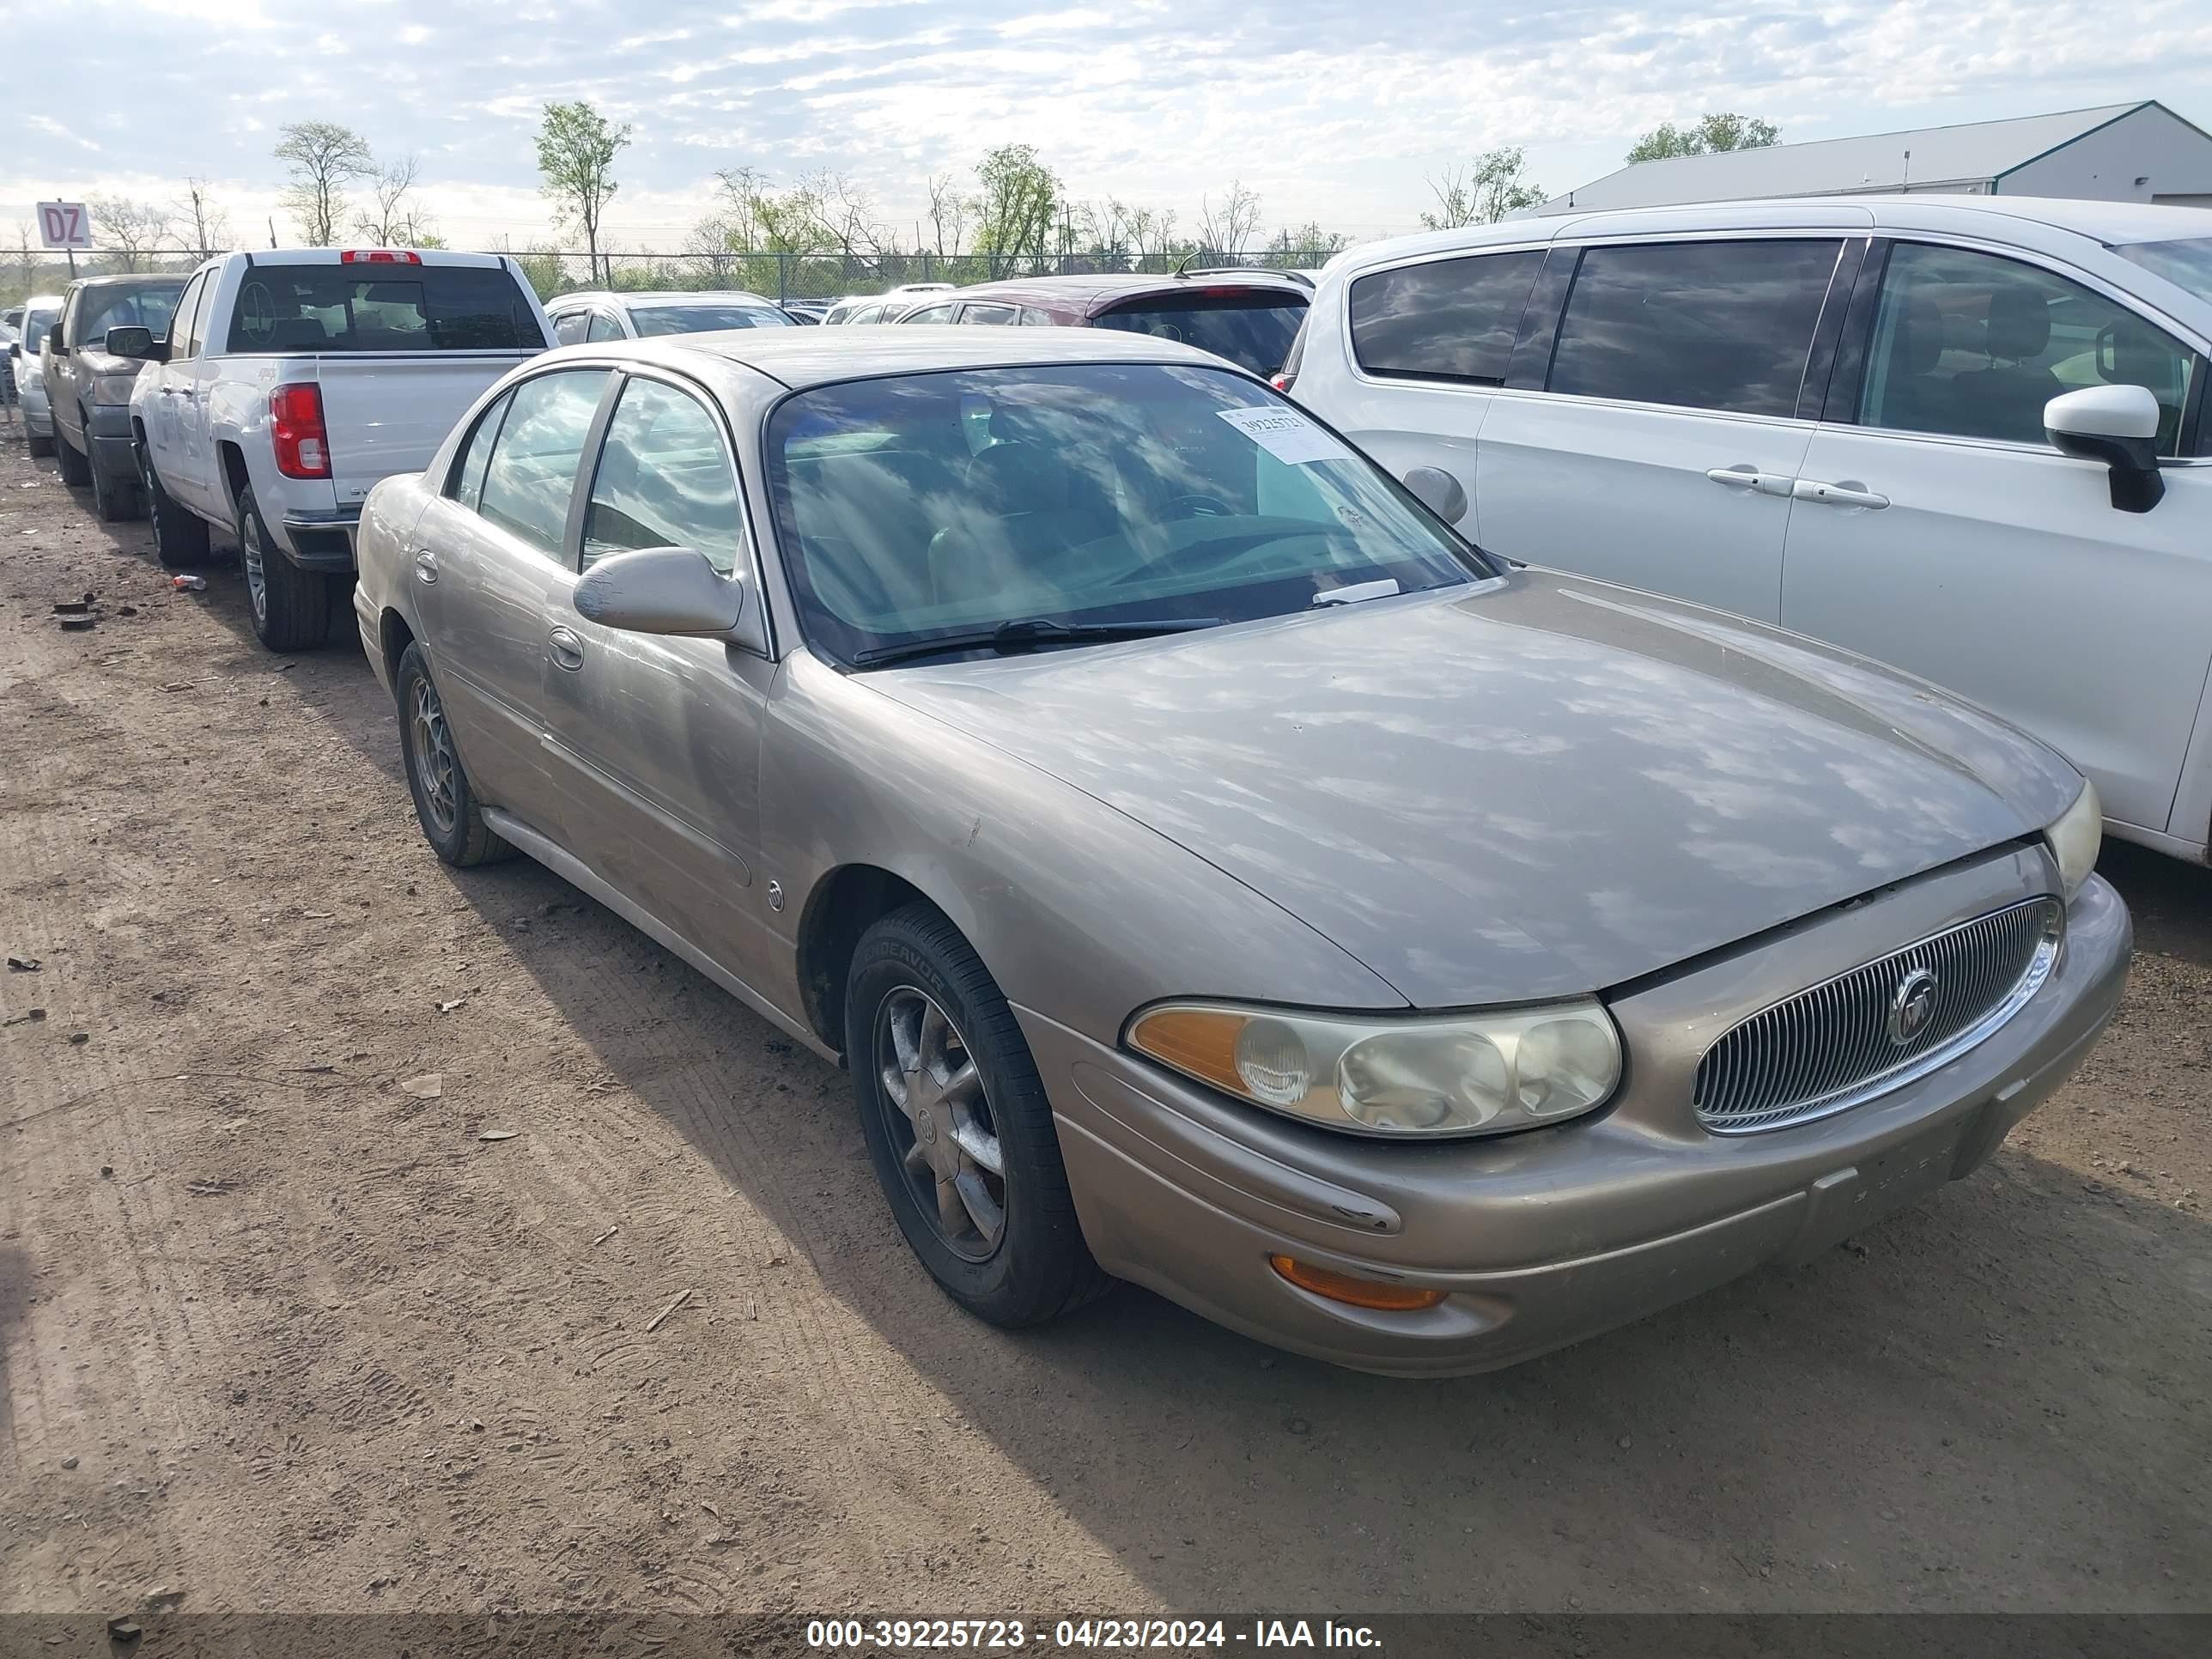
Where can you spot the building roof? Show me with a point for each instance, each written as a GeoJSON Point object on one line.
{"type": "Point", "coordinates": [1974, 153]}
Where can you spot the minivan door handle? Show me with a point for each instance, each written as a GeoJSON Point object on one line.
{"type": "Point", "coordinates": [1744, 476]}
{"type": "Point", "coordinates": [566, 648]}
{"type": "Point", "coordinates": [1850, 492]}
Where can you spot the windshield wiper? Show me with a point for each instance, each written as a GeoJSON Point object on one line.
{"type": "Point", "coordinates": [1020, 636]}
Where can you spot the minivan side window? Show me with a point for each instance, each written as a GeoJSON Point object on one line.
{"type": "Point", "coordinates": [1974, 344]}
{"type": "Point", "coordinates": [533, 464]}
{"type": "Point", "coordinates": [1447, 319]}
{"type": "Point", "coordinates": [1723, 325]}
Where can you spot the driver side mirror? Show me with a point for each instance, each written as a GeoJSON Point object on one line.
{"type": "Point", "coordinates": [670, 590]}
{"type": "Point", "coordinates": [1438, 491]}
{"type": "Point", "coordinates": [15, 348]}
{"type": "Point", "coordinates": [2118, 426]}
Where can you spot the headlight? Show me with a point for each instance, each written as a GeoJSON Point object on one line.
{"type": "Point", "coordinates": [112, 388]}
{"type": "Point", "coordinates": [1469, 1074]}
{"type": "Point", "coordinates": [2076, 836]}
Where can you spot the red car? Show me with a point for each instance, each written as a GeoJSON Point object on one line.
{"type": "Point", "coordinates": [1248, 316]}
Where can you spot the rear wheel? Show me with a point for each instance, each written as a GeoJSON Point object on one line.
{"type": "Point", "coordinates": [70, 459]}
{"type": "Point", "coordinates": [291, 607]}
{"type": "Point", "coordinates": [958, 1126]}
{"type": "Point", "coordinates": [180, 538]}
{"type": "Point", "coordinates": [444, 801]}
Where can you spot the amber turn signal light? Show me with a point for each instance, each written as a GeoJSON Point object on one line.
{"type": "Point", "coordinates": [1359, 1293]}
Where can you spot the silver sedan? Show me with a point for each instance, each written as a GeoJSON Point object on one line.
{"type": "Point", "coordinates": [1214, 873]}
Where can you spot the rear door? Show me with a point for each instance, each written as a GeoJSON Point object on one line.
{"type": "Point", "coordinates": [1662, 450]}
{"type": "Point", "coordinates": [660, 735]}
{"type": "Point", "coordinates": [166, 384]}
{"type": "Point", "coordinates": [1937, 529]}
{"type": "Point", "coordinates": [496, 545]}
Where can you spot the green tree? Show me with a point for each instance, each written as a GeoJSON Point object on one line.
{"type": "Point", "coordinates": [576, 151]}
{"type": "Point", "coordinates": [1498, 184]}
{"type": "Point", "coordinates": [1017, 208]}
{"type": "Point", "coordinates": [323, 158]}
{"type": "Point", "coordinates": [1722, 131]}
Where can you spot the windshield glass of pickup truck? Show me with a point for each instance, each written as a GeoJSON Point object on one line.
{"type": "Point", "coordinates": [395, 308]}
{"type": "Point", "coordinates": [139, 305]}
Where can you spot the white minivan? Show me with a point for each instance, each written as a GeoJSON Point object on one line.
{"type": "Point", "coordinates": [1964, 435]}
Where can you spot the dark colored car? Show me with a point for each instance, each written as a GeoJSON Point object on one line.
{"type": "Point", "coordinates": [1249, 317]}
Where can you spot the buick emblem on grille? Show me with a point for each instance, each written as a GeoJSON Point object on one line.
{"type": "Point", "coordinates": [1912, 1006]}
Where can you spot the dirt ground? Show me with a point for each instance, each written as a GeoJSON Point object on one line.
{"type": "Point", "coordinates": [279, 1330]}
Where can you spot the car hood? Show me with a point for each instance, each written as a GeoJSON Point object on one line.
{"type": "Point", "coordinates": [1534, 787]}
{"type": "Point", "coordinates": [97, 362]}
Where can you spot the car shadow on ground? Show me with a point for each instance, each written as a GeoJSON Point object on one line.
{"type": "Point", "coordinates": [1880, 1428]}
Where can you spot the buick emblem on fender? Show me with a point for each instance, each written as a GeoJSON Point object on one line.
{"type": "Point", "coordinates": [1912, 1006]}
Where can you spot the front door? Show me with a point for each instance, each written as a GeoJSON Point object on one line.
{"type": "Point", "coordinates": [1661, 451]}
{"type": "Point", "coordinates": [660, 735]}
{"type": "Point", "coordinates": [1937, 529]}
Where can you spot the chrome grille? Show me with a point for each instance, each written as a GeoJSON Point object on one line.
{"type": "Point", "coordinates": [1834, 1045]}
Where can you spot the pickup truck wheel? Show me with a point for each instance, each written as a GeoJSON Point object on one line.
{"type": "Point", "coordinates": [115, 499]}
{"type": "Point", "coordinates": [958, 1125]}
{"type": "Point", "coordinates": [291, 607]}
{"type": "Point", "coordinates": [180, 538]}
{"type": "Point", "coordinates": [445, 802]}
{"type": "Point", "coordinates": [75, 468]}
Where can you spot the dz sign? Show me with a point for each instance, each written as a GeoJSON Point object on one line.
{"type": "Point", "coordinates": [64, 224]}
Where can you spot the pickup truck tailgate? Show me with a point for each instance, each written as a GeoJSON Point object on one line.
{"type": "Point", "coordinates": [387, 412]}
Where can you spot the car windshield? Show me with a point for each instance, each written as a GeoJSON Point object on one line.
{"type": "Point", "coordinates": [139, 307]}
{"type": "Point", "coordinates": [384, 307]}
{"type": "Point", "coordinates": [2187, 262]}
{"type": "Point", "coordinates": [35, 325]}
{"type": "Point", "coordinates": [1251, 327]}
{"type": "Point", "coordinates": [1126, 494]}
{"type": "Point", "coordinates": [704, 319]}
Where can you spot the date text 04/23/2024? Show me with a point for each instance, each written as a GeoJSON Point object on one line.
{"type": "Point", "coordinates": [1087, 1635]}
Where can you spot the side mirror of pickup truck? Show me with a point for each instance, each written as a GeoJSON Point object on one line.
{"type": "Point", "coordinates": [2118, 426]}
{"type": "Point", "coordinates": [133, 340]}
{"type": "Point", "coordinates": [15, 349]}
{"type": "Point", "coordinates": [670, 590]}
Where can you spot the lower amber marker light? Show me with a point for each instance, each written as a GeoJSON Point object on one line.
{"type": "Point", "coordinates": [1359, 1292]}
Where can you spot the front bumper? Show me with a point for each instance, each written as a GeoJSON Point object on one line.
{"type": "Point", "coordinates": [109, 442]}
{"type": "Point", "coordinates": [1546, 1237]}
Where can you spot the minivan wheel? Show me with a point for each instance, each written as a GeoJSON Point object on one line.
{"type": "Point", "coordinates": [958, 1126]}
{"type": "Point", "coordinates": [180, 538]}
{"type": "Point", "coordinates": [291, 608]}
{"type": "Point", "coordinates": [445, 802]}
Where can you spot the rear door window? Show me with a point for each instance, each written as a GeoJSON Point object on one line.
{"type": "Point", "coordinates": [929, 314]}
{"type": "Point", "coordinates": [1001, 316]}
{"type": "Point", "coordinates": [603, 327]}
{"type": "Point", "coordinates": [1723, 325]}
{"type": "Point", "coordinates": [533, 472]}
{"type": "Point", "coordinates": [387, 307]}
{"type": "Point", "coordinates": [568, 327]}
{"type": "Point", "coordinates": [1251, 327]}
{"type": "Point", "coordinates": [1448, 320]}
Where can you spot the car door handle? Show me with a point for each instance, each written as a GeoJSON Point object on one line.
{"type": "Point", "coordinates": [568, 650]}
{"type": "Point", "coordinates": [1745, 477]}
{"type": "Point", "coordinates": [169, 392]}
{"type": "Point", "coordinates": [1848, 493]}
{"type": "Point", "coordinates": [426, 565]}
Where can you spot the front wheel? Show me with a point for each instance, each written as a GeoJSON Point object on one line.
{"type": "Point", "coordinates": [291, 607]}
{"type": "Point", "coordinates": [42, 444]}
{"type": "Point", "coordinates": [70, 461]}
{"type": "Point", "coordinates": [958, 1126]}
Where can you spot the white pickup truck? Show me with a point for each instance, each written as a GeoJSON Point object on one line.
{"type": "Point", "coordinates": [291, 382]}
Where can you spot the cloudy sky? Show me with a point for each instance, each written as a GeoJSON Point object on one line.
{"type": "Point", "coordinates": [1334, 109]}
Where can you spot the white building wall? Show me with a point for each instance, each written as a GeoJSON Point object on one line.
{"type": "Point", "coordinates": [2169, 155]}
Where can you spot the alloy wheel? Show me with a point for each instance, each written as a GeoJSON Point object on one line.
{"type": "Point", "coordinates": [939, 1115]}
{"type": "Point", "coordinates": [435, 768]}
{"type": "Point", "coordinates": [252, 559]}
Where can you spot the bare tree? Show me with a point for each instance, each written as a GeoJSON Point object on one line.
{"type": "Point", "coordinates": [202, 226]}
{"type": "Point", "coordinates": [27, 262]}
{"type": "Point", "coordinates": [1229, 228]}
{"type": "Point", "coordinates": [132, 230]}
{"type": "Point", "coordinates": [847, 217]}
{"type": "Point", "coordinates": [395, 219]}
{"type": "Point", "coordinates": [951, 213]}
{"type": "Point", "coordinates": [324, 159]}
{"type": "Point", "coordinates": [1498, 185]}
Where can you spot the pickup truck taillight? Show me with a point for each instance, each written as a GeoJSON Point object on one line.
{"type": "Point", "coordinates": [295, 424]}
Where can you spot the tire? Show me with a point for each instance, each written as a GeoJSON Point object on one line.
{"type": "Point", "coordinates": [114, 500]}
{"type": "Point", "coordinates": [180, 538]}
{"type": "Point", "coordinates": [1036, 1266]}
{"type": "Point", "coordinates": [452, 818]}
{"type": "Point", "coordinates": [75, 471]}
{"type": "Point", "coordinates": [40, 445]}
{"type": "Point", "coordinates": [290, 607]}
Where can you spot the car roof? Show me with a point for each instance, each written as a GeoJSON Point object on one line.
{"type": "Point", "coordinates": [1086, 292]}
{"type": "Point", "coordinates": [802, 357]}
{"type": "Point", "coordinates": [664, 296]}
{"type": "Point", "coordinates": [2030, 220]}
{"type": "Point", "coordinates": [140, 278]}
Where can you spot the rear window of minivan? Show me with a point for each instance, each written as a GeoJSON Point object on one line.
{"type": "Point", "coordinates": [1251, 327]}
{"type": "Point", "coordinates": [390, 309]}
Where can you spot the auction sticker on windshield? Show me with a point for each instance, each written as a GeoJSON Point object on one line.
{"type": "Point", "coordinates": [1285, 434]}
